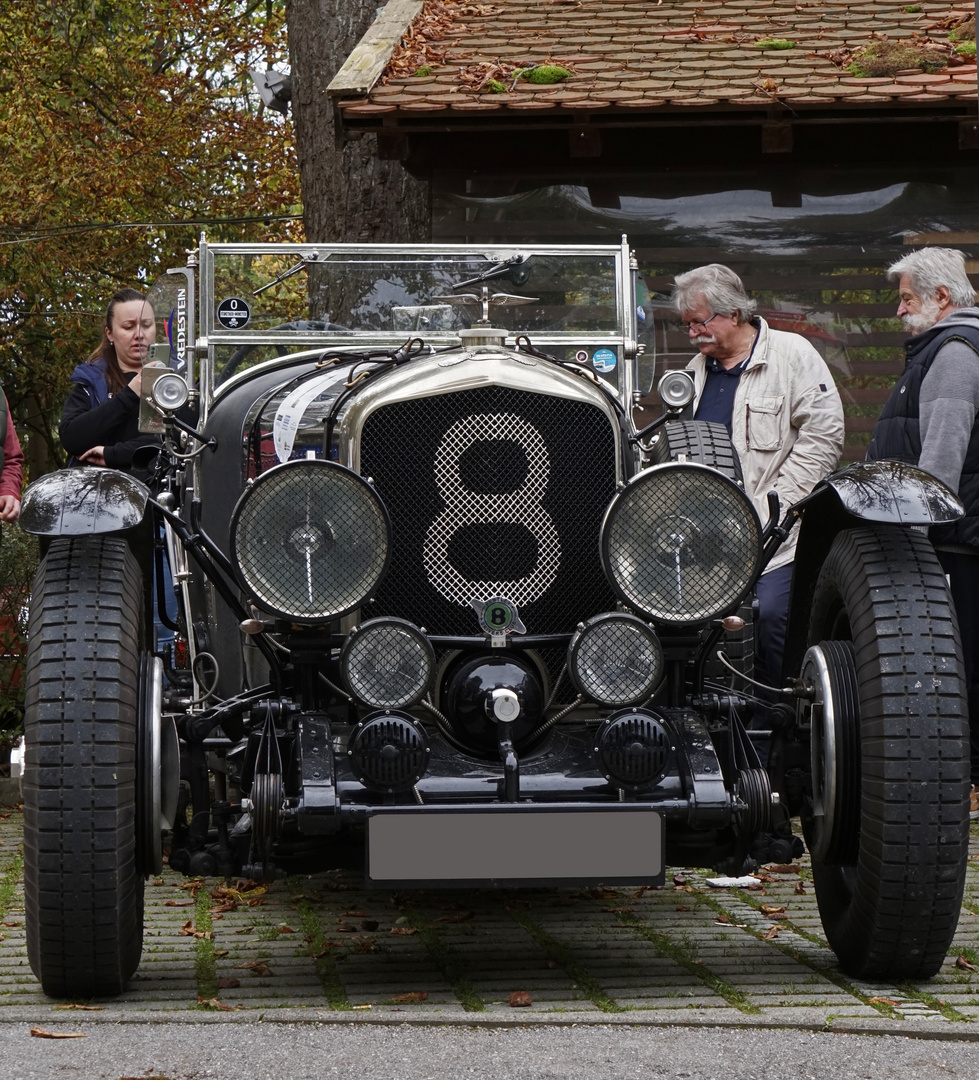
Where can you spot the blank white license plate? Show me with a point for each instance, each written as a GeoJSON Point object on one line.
{"type": "Point", "coordinates": [530, 845]}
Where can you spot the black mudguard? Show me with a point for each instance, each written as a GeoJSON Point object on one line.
{"type": "Point", "coordinates": [83, 501]}
{"type": "Point", "coordinates": [884, 492]}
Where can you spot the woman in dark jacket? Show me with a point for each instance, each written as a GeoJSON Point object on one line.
{"type": "Point", "coordinates": [100, 419]}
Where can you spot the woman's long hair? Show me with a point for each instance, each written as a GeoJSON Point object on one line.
{"type": "Point", "coordinates": [106, 350]}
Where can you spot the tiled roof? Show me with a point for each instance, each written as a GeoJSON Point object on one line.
{"type": "Point", "coordinates": [674, 55]}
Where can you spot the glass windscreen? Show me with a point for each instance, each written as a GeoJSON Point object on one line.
{"type": "Point", "coordinates": [414, 294]}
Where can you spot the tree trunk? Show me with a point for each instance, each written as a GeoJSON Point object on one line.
{"type": "Point", "coordinates": [349, 194]}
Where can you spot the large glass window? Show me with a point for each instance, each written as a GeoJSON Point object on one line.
{"type": "Point", "coordinates": [813, 248]}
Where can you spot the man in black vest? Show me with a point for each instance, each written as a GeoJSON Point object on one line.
{"type": "Point", "coordinates": [931, 420]}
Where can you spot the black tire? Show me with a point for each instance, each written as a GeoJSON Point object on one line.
{"type": "Point", "coordinates": [704, 443]}
{"type": "Point", "coordinates": [889, 885]}
{"type": "Point", "coordinates": [82, 891]}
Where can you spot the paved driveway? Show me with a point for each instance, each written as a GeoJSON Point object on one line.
{"type": "Point", "coordinates": [323, 948]}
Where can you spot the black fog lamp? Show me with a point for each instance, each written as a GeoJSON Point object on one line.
{"type": "Point", "coordinates": [387, 663]}
{"type": "Point", "coordinates": [615, 659]}
{"type": "Point", "coordinates": [681, 543]}
{"type": "Point", "coordinates": [388, 752]}
{"type": "Point", "coordinates": [170, 392]}
{"type": "Point", "coordinates": [311, 540]}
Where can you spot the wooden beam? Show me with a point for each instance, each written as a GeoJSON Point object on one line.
{"type": "Point", "coordinates": [363, 67]}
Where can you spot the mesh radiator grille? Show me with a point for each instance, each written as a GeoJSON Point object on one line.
{"type": "Point", "coordinates": [492, 492]}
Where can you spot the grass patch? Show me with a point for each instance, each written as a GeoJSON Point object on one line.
{"type": "Point", "coordinates": [775, 43]}
{"type": "Point", "coordinates": [205, 965]}
{"type": "Point", "coordinates": [322, 955]}
{"type": "Point", "coordinates": [910, 990]}
{"type": "Point", "coordinates": [447, 963]}
{"type": "Point", "coordinates": [8, 884]}
{"type": "Point", "coordinates": [558, 953]}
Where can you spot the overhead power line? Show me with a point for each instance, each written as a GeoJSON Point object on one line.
{"type": "Point", "coordinates": [37, 234]}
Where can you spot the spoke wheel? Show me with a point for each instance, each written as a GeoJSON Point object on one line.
{"type": "Point", "coordinates": [83, 892]}
{"type": "Point", "coordinates": [888, 822]}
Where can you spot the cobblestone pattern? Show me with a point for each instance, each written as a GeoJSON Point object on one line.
{"type": "Point", "coordinates": [324, 947]}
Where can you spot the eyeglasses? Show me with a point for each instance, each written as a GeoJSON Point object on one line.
{"type": "Point", "coordinates": [697, 327]}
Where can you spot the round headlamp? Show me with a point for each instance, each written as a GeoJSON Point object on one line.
{"type": "Point", "coordinates": [310, 540]}
{"type": "Point", "coordinates": [676, 389]}
{"type": "Point", "coordinates": [681, 543]}
{"type": "Point", "coordinates": [616, 659]}
{"type": "Point", "coordinates": [170, 392]}
{"type": "Point", "coordinates": [387, 663]}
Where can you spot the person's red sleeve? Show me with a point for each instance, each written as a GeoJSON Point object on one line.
{"type": "Point", "coordinates": [12, 476]}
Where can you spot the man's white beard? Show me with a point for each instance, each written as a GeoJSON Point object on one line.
{"type": "Point", "coordinates": [924, 320]}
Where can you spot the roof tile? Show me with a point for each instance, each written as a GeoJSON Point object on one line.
{"type": "Point", "coordinates": [632, 54]}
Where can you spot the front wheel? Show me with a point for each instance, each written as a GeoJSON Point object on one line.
{"type": "Point", "coordinates": [887, 824]}
{"type": "Point", "coordinates": [83, 891]}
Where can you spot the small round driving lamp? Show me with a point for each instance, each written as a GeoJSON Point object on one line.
{"type": "Point", "coordinates": [170, 392]}
{"type": "Point", "coordinates": [616, 659]}
{"type": "Point", "coordinates": [387, 663]}
{"type": "Point", "coordinates": [311, 540]}
{"type": "Point", "coordinates": [676, 390]}
{"type": "Point", "coordinates": [681, 543]}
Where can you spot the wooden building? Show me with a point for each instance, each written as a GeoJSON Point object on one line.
{"type": "Point", "coordinates": [805, 143]}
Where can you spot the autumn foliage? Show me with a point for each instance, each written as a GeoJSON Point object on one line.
{"type": "Point", "coordinates": [127, 128]}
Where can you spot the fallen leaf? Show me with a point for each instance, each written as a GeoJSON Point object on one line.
{"type": "Point", "coordinates": [40, 1033]}
{"type": "Point", "coordinates": [179, 903]}
{"type": "Point", "coordinates": [366, 945]}
{"type": "Point", "coordinates": [354, 914]}
{"type": "Point", "coordinates": [228, 905]}
{"type": "Point", "coordinates": [455, 917]}
{"type": "Point", "coordinates": [256, 967]}
{"type": "Point", "coordinates": [520, 999]}
{"type": "Point", "coordinates": [639, 892]}
{"type": "Point", "coordinates": [684, 907]}
{"type": "Point", "coordinates": [283, 929]}
{"type": "Point", "coordinates": [784, 868]}
{"type": "Point", "coordinates": [414, 995]}
{"type": "Point", "coordinates": [772, 911]}
{"type": "Point", "coordinates": [346, 928]}
{"type": "Point", "coordinates": [188, 931]}
{"type": "Point", "coordinates": [213, 1003]}
{"type": "Point", "coordinates": [255, 901]}
{"type": "Point", "coordinates": [882, 1001]}
{"type": "Point", "coordinates": [722, 918]}
{"type": "Point", "coordinates": [771, 935]}
{"type": "Point", "coordinates": [404, 931]}
{"type": "Point", "coordinates": [220, 952]}
{"type": "Point", "coordinates": [964, 964]}
{"type": "Point", "coordinates": [800, 889]}
{"type": "Point", "coordinates": [83, 1008]}
{"type": "Point", "coordinates": [11, 924]}
{"type": "Point", "coordinates": [327, 945]}
{"type": "Point", "coordinates": [245, 930]}
{"type": "Point", "coordinates": [227, 982]}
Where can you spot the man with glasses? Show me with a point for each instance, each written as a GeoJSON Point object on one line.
{"type": "Point", "coordinates": [776, 397]}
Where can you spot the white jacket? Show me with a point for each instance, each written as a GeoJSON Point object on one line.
{"type": "Point", "coordinates": [786, 424]}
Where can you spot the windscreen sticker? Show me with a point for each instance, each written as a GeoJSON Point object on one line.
{"type": "Point", "coordinates": [234, 313]}
{"type": "Point", "coordinates": [290, 413]}
{"type": "Point", "coordinates": [581, 356]}
{"type": "Point", "coordinates": [603, 360]}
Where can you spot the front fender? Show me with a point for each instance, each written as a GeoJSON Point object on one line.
{"type": "Point", "coordinates": [83, 501]}
{"type": "Point", "coordinates": [882, 492]}
{"type": "Point", "coordinates": [888, 492]}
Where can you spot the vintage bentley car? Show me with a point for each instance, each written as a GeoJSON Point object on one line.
{"type": "Point", "coordinates": [432, 587]}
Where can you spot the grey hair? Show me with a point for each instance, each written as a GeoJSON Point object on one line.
{"type": "Point", "coordinates": [930, 268]}
{"type": "Point", "coordinates": [721, 288]}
